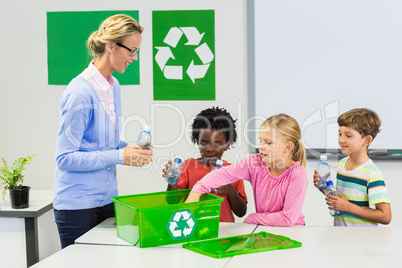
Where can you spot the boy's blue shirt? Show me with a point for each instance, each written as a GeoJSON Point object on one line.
{"type": "Point", "coordinates": [88, 148]}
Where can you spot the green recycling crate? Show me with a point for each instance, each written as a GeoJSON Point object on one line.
{"type": "Point", "coordinates": [162, 218]}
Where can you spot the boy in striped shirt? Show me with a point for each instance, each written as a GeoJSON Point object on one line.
{"type": "Point", "coordinates": [363, 197]}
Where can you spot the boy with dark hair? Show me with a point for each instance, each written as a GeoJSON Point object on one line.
{"type": "Point", "coordinates": [364, 199]}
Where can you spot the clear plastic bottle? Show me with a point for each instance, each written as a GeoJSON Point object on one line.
{"type": "Point", "coordinates": [174, 171]}
{"type": "Point", "coordinates": [144, 139]}
{"type": "Point", "coordinates": [331, 189]}
{"type": "Point", "coordinates": [219, 164]}
{"type": "Point", "coordinates": [324, 171]}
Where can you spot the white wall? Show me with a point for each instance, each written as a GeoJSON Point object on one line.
{"type": "Point", "coordinates": [334, 56]}
{"type": "Point", "coordinates": [29, 106]}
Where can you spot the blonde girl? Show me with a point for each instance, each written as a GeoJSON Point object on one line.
{"type": "Point", "coordinates": [276, 174]}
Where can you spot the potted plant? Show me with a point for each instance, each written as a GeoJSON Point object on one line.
{"type": "Point", "coordinates": [12, 179]}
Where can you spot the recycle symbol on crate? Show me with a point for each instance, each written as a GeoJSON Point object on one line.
{"type": "Point", "coordinates": [181, 224]}
{"type": "Point", "coordinates": [194, 39]}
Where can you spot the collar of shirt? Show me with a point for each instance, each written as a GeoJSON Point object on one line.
{"type": "Point", "coordinates": [102, 87]}
{"type": "Point", "coordinates": [99, 79]}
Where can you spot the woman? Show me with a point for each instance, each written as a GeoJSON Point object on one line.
{"type": "Point", "coordinates": [88, 143]}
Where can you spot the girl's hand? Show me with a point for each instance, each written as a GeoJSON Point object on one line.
{"type": "Point", "coordinates": [134, 155]}
{"type": "Point", "coordinates": [193, 197]}
{"type": "Point", "coordinates": [337, 202]}
{"type": "Point", "coordinates": [167, 167]}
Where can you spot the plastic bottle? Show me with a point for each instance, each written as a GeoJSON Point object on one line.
{"type": "Point", "coordinates": [174, 171]}
{"type": "Point", "coordinates": [324, 171]}
{"type": "Point", "coordinates": [219, 164]}
{"type": "Point", "coordinates": [331, 189]}
{"type": "Point", "coordinates": [144, 139]}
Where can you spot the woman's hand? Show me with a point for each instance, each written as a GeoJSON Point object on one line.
{"type": "Point", "coordinates": [193, 197]}
{"type": "Point", "coordinates": [135, 156]}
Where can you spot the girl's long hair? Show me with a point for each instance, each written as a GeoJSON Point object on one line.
{"type": "Point", "coordinates": [288, 127]}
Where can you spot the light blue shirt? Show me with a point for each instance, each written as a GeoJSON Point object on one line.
{"type": "Point", "coordinates": [88, 148]}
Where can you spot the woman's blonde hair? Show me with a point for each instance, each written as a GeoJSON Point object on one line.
{"type": "Point", "coordinates": [289, 129]}
{"type": "Point", "coordinates": [113, 30]}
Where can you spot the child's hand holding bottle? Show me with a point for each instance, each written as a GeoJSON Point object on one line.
{"type": "Point", "coordinates": [225, 190]}
{"type": "Point", "coordinates": [316, 179]}
{"type": "Point", "coordinates": [166, 168]}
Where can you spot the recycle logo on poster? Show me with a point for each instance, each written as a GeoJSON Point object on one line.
{"type": "Point", "coordinates": [181, 224]}
{"type": "Point", "coordinates": [194, 38]}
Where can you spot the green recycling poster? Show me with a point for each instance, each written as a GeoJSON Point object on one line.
{"type": "Point", "coordinates": [184, 54]}
{"type": "Point", "coordinates": [67, 54]}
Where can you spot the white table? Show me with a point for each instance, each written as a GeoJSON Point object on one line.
{"type": "Point", "coordinates": [298, 257]}
{"type": "Point", "coordinates": [105, 233]}
{"type": "Point", "coordinates": [40, 202]}
{"type": "Point", "coordinates": [100, 247]}
{"type": "Point", "coordinates": [321, 247]}
{"type": "Point", "coordinates": [330, 247]}
{"type": "Point", "coordinates": [369, 239]}
{"type": "Point", "coordinates": [81, 255]}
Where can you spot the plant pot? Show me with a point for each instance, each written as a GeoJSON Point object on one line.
{"type": "Point", "coordinates": [19, 198]}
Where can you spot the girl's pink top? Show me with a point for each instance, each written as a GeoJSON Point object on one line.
{"type": "Point", "coordinates": [278, 200]}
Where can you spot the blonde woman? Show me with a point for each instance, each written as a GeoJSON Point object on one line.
{"type": "Point", "coordinates": [276, 174]}
{"type": "Point", "coordinates": [88, 143]}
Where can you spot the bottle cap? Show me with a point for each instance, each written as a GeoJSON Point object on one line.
{"type": "Point", "coordinates": [323, 157]}
{"type": "Point", "coordinates": [329, 183]}
{"type": "Point", "coordinates": [219, 163]}
{"type": "Point", "coordinates": [147, 128]}
{"type": "Point", "coordinates": [178, 160]}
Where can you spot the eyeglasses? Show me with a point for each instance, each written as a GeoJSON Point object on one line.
{"type": "Point", "coordinates": [132, 52]}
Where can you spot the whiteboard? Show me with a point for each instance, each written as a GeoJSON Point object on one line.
{"type": "Point", "coordinates": [315, 59]}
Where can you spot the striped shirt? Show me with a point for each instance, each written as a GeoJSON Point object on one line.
{"type": "Point", "coordinates": [363, 186]}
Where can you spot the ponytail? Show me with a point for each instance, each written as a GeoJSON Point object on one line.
{"type": "Point", "coordinates": [299, 154]}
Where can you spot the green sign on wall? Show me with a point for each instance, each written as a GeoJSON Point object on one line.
{"type": "Point", "coordinates": [68, 56]}
{"type": "Point", "coordinates": [184, 54]}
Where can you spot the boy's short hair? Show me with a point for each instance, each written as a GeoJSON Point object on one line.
{"type": "Point", "coordinates": [364, 121]}
{"type": "Point", "coordinates": [214, 118]}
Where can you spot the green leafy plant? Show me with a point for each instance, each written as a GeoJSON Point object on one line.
{"type": "Point", "coordinates": [11, 176]}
